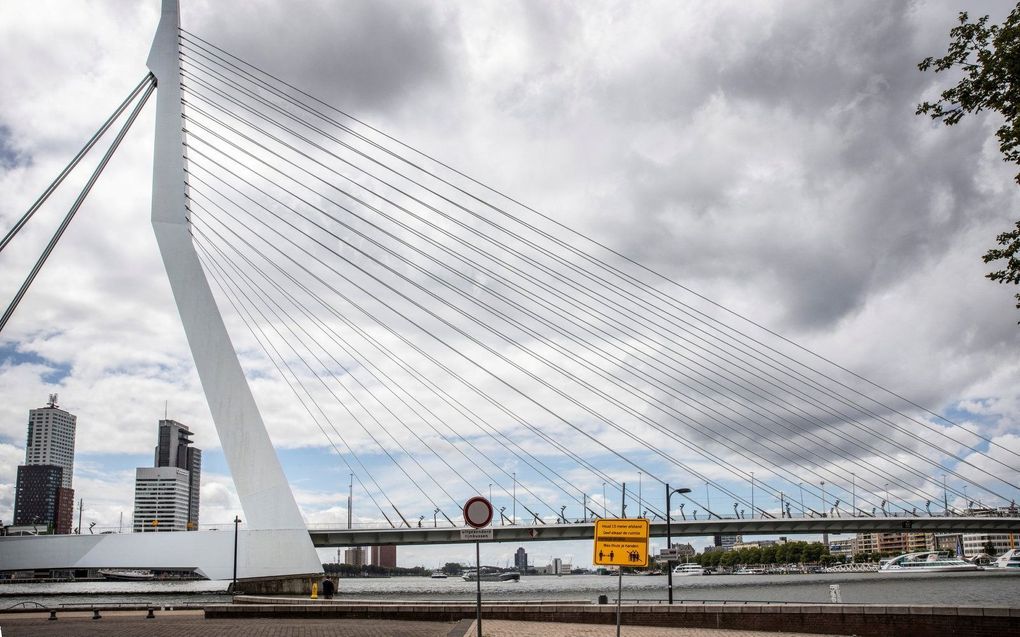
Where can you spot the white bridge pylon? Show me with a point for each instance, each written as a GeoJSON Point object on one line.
{"type": "Point", "coordinates": [262, 488]}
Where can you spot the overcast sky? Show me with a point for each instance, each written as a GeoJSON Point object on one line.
{"type": "Point", "coordinates": [764, 154]}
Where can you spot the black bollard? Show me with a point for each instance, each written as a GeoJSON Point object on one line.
{"type": "Point", "coordinates": [53, 615]}
{"type": "Point", "coordinates": [603, 599]}
{"type": "Point", "coordinates": [151, 615]}
{"type": "Point", "coordinates": [95, 614]}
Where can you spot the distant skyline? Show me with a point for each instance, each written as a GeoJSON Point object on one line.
{"type": "Point", "coordinates": [765, 154]}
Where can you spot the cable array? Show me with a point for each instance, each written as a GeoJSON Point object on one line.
{"type": "Point", "coordinates": [145, 89]}
{"type": "Point", "coordinates": [441, 335]}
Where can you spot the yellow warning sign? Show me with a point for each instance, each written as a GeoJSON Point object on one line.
{"type": "Point", "coordinates": [621, 542]}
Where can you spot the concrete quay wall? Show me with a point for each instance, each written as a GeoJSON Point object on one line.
{"type": "Point", "coordinates": [828, 619]}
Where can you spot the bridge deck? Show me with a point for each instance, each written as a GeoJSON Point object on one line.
{"type": "Point", "coordinates": [584, 531]}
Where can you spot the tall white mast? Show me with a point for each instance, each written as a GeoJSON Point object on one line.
{"type": "Point", "coordinates": [262, 487]}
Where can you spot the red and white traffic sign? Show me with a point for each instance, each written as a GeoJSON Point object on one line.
{"type": "Point", "coordinates": [478, 512]}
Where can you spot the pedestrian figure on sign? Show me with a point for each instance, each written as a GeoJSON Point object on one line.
{"type": "Point", "coordinates": [327, 588]}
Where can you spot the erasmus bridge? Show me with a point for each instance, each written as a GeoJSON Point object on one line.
{"type": "Point", "coordinates": [444, 338]}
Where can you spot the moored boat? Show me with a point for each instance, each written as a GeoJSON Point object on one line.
{"type": "Point", "coordinates": [1010, 559]}
{"type": "Point", "coordinates": [686, 570]}
{"type": "Point", "coordinates": [438, 575]}
{"type": "Point", "coordinates": [492, 576]}
{"type": "Point", "coordinates": [927, 562]}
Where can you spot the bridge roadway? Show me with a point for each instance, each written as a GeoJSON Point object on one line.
{"type": "Point", "coordinates": [331, 537]}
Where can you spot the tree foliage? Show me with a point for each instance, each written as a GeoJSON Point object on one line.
{"type": "Point", "coordinates": [786, 553]}
{"type": "Point", "coordinates": [989, 58]}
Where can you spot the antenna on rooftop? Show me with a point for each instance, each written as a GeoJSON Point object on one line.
{"type": "Point", "coordinates": [53, 401]}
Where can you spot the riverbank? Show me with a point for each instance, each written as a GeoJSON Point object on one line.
{"type": "Point", "coordinates": [984, 588]}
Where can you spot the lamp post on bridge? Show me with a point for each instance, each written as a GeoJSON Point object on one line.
{"type": "Point", "coordinates": [853, 488]}
{"type": "Point", "coordinates": [803, 513]}
{"type": "Point", "coordinates": [669, 538]}
{"type": "Point", "coordinates": [752, 495]}
{"type": "Point", "coordinates": [639, 506]}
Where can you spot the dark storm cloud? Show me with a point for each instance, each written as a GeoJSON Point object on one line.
{"type": "Point", "coordinates": [858, 199]}
{"type": "Point", "coordinates": [361, 55]}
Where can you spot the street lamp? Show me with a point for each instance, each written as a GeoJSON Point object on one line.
{"type": "Point", "coordinates": [604, 500]}
{"type": "Point", "coordinates": [853, 487]}
{"type": "Point", "coordinates": [803, 513]}
{"type": "Point", "coordinates": [237, 521]}
{"type": "Point", "coordinates": [639, 505]}
{"type": "Point", "coordinates": [513, 513]}
{"type": "Point", "coordinates": [669, 538]}
{"type": "Point", "coordinates": [752, 495]}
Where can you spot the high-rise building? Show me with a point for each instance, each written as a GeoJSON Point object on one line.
{"type": "Point", "coordinates": [892, 542]}
{"type": "Point", "coordinates": [726, 542]}
{"type": "Point", "coordinates": [167, 494]}
{"type": "Point", "coordinates": [974, 544]}
{"type": "Point", "coordinates": [355, 556]}
{"type": "Point", "coordinates": [174, 450]}
{"type": "Point", "coordinates": [43, 494]}
{"type": "Point", "coordinates": [521, 560]}
{"type": "Point", "coordinates": [385, 556]}
{"type": "Point", "coordinates": [40, 501]}
{"type": "Point", "coordinates": [161, 499]}
{"type": "Point", "coordinates": [51, 439]}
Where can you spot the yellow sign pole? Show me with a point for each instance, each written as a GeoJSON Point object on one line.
{"type": "Point", "coordinates": [621, 542]}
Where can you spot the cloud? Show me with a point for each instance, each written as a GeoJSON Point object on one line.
{"type": "Point", "coordinates": [766, 156]}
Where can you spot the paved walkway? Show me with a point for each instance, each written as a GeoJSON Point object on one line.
{"type": "Point", "coordinates": [499, 628]}
{"type": "Point", "coordinates": [188, 623]}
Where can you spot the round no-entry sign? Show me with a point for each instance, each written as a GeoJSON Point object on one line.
{"type": "Point", "coordinates": [477, 512]}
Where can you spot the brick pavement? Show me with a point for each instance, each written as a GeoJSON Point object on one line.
{"type": "Point", "coordinates": [186, 624]}
{"type": "Point", "coordinates": [500, 628]}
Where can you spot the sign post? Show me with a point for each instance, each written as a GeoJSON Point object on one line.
{"type": "Point", "coordinates": [620, 543]}
{"type": "Point", "coordinates": [478, 515]}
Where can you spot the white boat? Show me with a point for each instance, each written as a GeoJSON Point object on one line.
{"type": "Point", "coordinates": [927, 562]}
{"type": "Point", "coordinates": [688, 569]}
{"type": "Point", "coordinates": [128, 576]}
{"type": "Point", "coordinates": [1010, 559]}
{"type": "Point", "coordinates": [438, 575]}
{"type": "Point", "coordinates": [492, 576]}
{"type": "Point", "coordinates": [750, 571]}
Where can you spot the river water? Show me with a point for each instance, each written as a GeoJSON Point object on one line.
{"type": "Point", "coordinates": [952, 589]}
